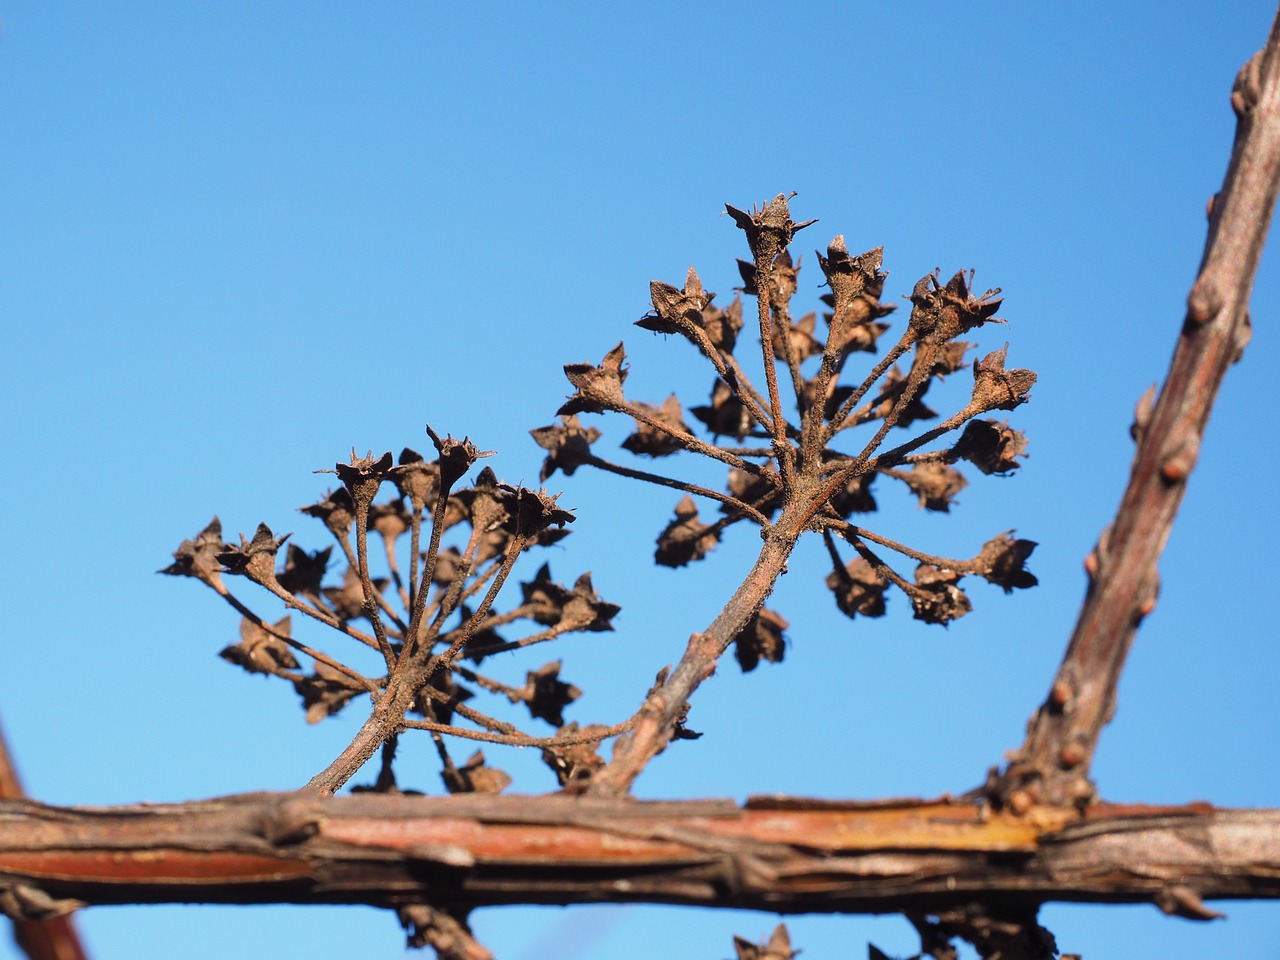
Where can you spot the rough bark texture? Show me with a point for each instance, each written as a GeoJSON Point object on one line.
{"type": "Point", "coordinates": [776, 854]}
{"type": "Point", "coordinates": [1052, 765]}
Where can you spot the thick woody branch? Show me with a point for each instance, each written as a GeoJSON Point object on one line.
{"type": "Point", "coordinates": [41, 938]}
{"type": "Point", "coordinates": [1052, 765]}
{"type": "Point", "coordinates": [776, 854]}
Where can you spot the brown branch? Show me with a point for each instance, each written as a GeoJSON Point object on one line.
{"type": "Point", "coordinates": [1052, 765]}
{"type": "Point", "coordinates": [48, 938]}
{"type": "Point", "coordinates": [772, 854]}
{"type": "Point", "coordinates": [660, 716]}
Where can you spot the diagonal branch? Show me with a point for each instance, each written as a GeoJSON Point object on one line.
{"type": "Point", "coordinates": [1052, 765]}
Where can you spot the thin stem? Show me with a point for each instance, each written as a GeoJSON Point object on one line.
{"type": "Point", "coordinates": [850, 532]}
{"type": "Point", "coordinates": [898, 349]}
{"type": "Point", "coordinates": [690, 442]}
{"type": "Point", "coordinates": [443, 660]}
{"type": "Point", "coordinates": [314, 654]}
{"type": "Point", "coordinates": [520, 739]}
{"type": "Point", "coordinates": [658, 716]}
{"type": "Point", "coordinates": [782, 448]}
{"type": "Point", "coordinates": [731, 501]}
{"type": "Point", "coordinates": [366, 586]}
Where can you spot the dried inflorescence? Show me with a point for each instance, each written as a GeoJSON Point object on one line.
{"type": "Point", "coordinates": [803, 450]}
{"type": "Point", "coordinates": [809, 443]}
{"type": "Point", "coordinates": [429, 630]}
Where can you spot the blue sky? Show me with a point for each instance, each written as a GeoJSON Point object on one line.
{"type": "Point", "coordinates": [237, 240]}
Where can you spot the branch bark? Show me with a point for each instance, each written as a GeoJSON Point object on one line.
{"type": "Point", "coordinates": [1052, 765]}
{"type": "Point", "coordinates": [777, 854]}
{"type": "Point", "coordinates": [41, 938]}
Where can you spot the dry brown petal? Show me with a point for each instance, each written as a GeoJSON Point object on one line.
{"type": "Point", "coordinates": [532, 511]}
{"type": "Point", "coordinates": [724, 325]}
{"type": "Point", "coordinates": [676, 310]}
{"type": "Point", "coordinates": [256, 558]}
{"type": "Point", "coordinates": [777, 947]}
{"type": "Point", "coordinates": [389, 520]}
{"type": "Point", "coordinates": [855, 496]}
{"type": "Point", "coordinates": [990, 446]}
{"type": "Point", "coordinates": [475, 776]}
{"type": "Point", "coordinates": [754, 489]}
{"type": "Point", "coordinates": [935, 484]}
{"type": "Point", "coordinates": [599, 388]}
{"type": "Point", "coordinates": [326, 691]}
{"type": "Point", "coordinates": [761, 639]}
{"type": "Point", "coordinates": [858, 589]}
{"type": "Point", "coordinates": [337, 511]}
{"type": "Point", "coordinates": [585, 611]}
{"type": "Point", "coordinates": [456, 457]}
{"type": "Point", "coordinates": [439, 707]}
{"type": "Point", "coordinates": [303, 572]}
{"type": "Point", "coordinates": [726, 416]}
{"type": "Point", "coordinates": [261, 651]}
{"type": "Point", "coordinates": [545, 597]}
{"type": "Point", "coordinates": [994, 387]}
{"type": "Point", "coordinates": [416, 479]}
{"type": "Point", "coordinates": [1003, 562]}
{"type": "Point", "coordinates": [348, 600]}
{"type": "Point", "coordinates": [936, 598]}
{"type": "Point", "coordinates": [941, 313]}
{"type": "Point", "coordinates": [686, 538]}
{"type": "Point", "coordinates": [891, 388]}
{"type": "Point", "coordinates": [568, 446]}
{"type": "Point", "coordinates": [651, 441]}
{"type": "Point", "coordinates": [803, 343]}
{"type": "Point", "coordinates": [574, 764]}
{"type": "Point", "coordinates": [545, 694]}
{"type": "Point", "coordinates": [199, 557]}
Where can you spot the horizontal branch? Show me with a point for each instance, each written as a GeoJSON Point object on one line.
{"type": "Point", "coordinates": [777, 854]}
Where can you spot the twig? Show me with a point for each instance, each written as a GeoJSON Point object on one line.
{"type": "Point", "coordinates": [1053, 764]}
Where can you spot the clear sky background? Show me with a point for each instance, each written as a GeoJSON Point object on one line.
{"type": "Point", "coordinates": [237, 239]}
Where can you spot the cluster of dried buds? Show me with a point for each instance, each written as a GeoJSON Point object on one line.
{"type": "Point", "coordinates": [809, 443]}
{"type": "Point", "coordinates": [426, 629]}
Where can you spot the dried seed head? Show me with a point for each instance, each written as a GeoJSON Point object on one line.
{"type": "Point", "coordinates": [363, 475]}
{"type": "Point", "coordinates": [686, 538]}
{"type": "Point", "coordinates": [936, 598]}
{"type": "Point", "coordinates": [456, 457]}
{"type": "Point", "coordinates": [256, 558]}
{"type": "Point", "coordinates": [568, 446]}
{"type": "Point", "coordinates": [941, 313]}
{"type": "Point", "coordinates": [599, 388]}
{"type": "Point", "coordinates": [992, 447]}
{"type": "Point", "coordinates": [994, 387]}
{"type": "Point", "coordinates": [654, 442]}
{"type": "Point", "coordinates": [678, 310]}
{"type": "Point", "coordinates": [1002, 561]}
{"type": "Point", "coordinates": [761, 639]}
{"type": "Point", "coordinates": [199, 557]}
{"type": "Point", "coordinates": [337, 511]}
{"type": "Point", "coordinates": [858, 589]}
{"type": "Point", "coordinates": [769, 229]}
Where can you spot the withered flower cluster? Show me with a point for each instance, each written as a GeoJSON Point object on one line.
{"type": "Point", "coordinates": [424, 630]}
{"type": "Point", "coordinates": [804, 447]}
